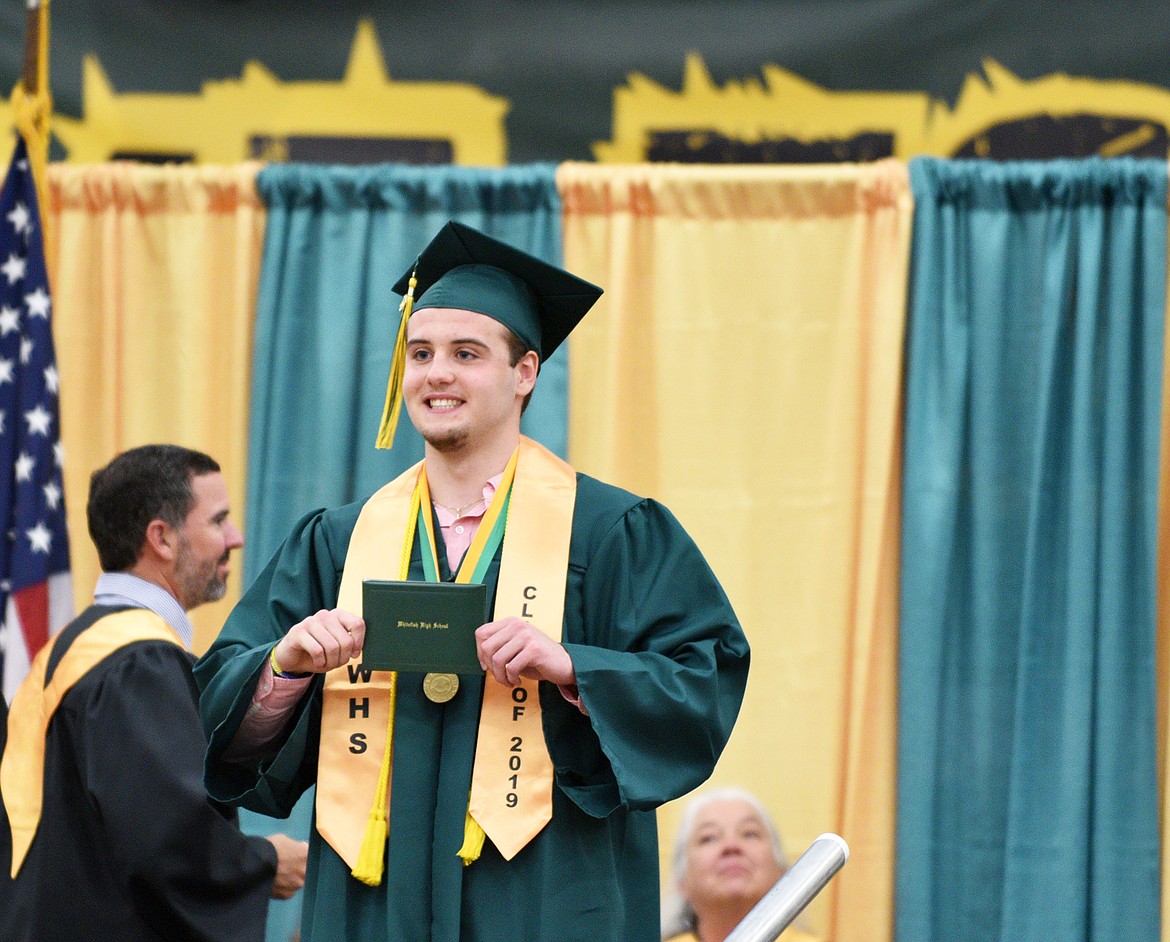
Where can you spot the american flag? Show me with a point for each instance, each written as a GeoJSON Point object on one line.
{"type": "Point", "coordinates": [35, 588]}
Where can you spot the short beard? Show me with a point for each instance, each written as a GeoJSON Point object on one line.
{"type": "Point", "coordinates": [196, 587]}
{"type": "Point", "coordinates": [215, 590]}
{"type": "Point", "coordinates": [448, 442]}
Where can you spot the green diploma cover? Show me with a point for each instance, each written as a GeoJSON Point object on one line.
{"type": "Point", "coordinates": [422, 626]}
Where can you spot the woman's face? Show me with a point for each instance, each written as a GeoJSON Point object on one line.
{"type": "Point", "coordinates": [729, 857]}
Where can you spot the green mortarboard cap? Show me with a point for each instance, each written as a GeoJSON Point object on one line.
{"type": "Point", "coordinates": [464, 269]}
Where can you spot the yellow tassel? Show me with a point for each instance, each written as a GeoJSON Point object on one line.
{"type": "Point", "coordinates": [393, 404]}
{"type": "Point", "coordinates": [369, 862]}
{"type": "Point", "coordinates": [473, 838]}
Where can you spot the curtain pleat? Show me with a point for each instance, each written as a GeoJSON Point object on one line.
{"type": "Point", "coordinates": [154, 290]}
{"type": "Point", "coordinates": [1027, 799]}
{"type": "Point", "coordinates": [744, 367]}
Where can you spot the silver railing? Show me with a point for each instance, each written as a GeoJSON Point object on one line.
{"type": "Point", "coordinates": [794, 891]}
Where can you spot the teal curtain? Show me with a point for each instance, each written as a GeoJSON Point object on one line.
{"type": "Point", "coordinates": [336, 241]}
{"type": "Point", "coordinates": [1027, 796]}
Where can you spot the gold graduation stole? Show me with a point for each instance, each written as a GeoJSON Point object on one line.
{"type": "Point", "coordinates": [22, 771]}
{"type": "Point", "coordinates": [511, 786]}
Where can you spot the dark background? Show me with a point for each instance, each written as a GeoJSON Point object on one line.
{"type": "Point", "coordinates": [559, 62]}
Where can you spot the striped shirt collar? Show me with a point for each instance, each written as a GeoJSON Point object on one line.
{"type": "Point", "coordinates": [123, 588]}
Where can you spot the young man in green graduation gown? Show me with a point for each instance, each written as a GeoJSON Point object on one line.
{"type": "Point", "coordinates": [113, 835]}
{"type": "Point", "coordinates": [517, 803]}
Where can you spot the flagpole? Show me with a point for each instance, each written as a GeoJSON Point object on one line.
{"type": "Point", "coordinates": [32, 104]}
{"type": "Point", "coordinates": [36, 598]}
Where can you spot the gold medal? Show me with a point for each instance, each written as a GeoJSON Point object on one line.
{"type": "Point", "coordinates": [439, 688]}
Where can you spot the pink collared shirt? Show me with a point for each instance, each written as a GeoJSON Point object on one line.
{"type": "Point", "coordinates": [458, 532]}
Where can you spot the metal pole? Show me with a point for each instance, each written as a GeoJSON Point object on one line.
{"type": "Point", "coordinates": [793, 891]}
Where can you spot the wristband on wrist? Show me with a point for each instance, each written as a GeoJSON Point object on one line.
{"type": "Point", "coordinates": [276, 667]}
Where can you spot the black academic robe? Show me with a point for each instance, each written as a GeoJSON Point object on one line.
{"type": "Point", "coordinates": [129, 847]}
{"type": "Point", "coordinates": [661, 663]}
{"type": "Point", "coordinates": [5, 831]}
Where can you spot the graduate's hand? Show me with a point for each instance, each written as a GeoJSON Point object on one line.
{"type": "Point", "coordinates": [291, 857]}
{"type": "Point", "coordinates": [321, 642]}
{"type": "Point", "coordinates": [511, 648]}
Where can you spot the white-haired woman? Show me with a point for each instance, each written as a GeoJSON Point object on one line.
{"type": "Point", "coordinates": [726, 857]}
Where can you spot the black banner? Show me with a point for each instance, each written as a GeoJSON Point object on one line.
{"type": "Point", "coordinates": [558, 70]}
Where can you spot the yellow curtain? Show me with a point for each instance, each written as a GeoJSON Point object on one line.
{"type": "Point", "coordinates": [744, 366]}
{"type": "Point", "coordinates": [154, 290]}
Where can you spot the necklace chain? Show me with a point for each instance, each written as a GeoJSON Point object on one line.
{"type": "Point", "coordinates": [458, 511]}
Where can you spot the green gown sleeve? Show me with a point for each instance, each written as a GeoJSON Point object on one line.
{"type": "Point", "coordinates": [302, 578]}
{"type": "Point", "coordinates": [660, 658]}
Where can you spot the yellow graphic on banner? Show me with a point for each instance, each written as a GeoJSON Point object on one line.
{"type": "Point", "coordinates": [756, 121]}
{"type": "Point", "coordinates": [777, 118]}
{"type": "Point", "coordinates": [1008, 117]}
{"type": "Point", "coordinates": [367, 117]}
{"type": "Point", "coordinates": [787, 119]}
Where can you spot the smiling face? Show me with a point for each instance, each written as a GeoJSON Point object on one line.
{"type": "Point", "coordinates": [205, 543]}
{"type": "Point", "coordinates": [730, 861]}
{"type": "Point", "coordinates": [461, 390]}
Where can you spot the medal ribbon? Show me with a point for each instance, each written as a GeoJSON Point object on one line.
{"type": "Point", "coordinates": [487, 538]}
